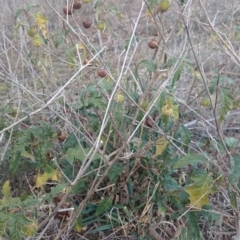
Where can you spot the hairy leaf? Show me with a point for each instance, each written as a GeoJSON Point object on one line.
{"type": "Point", "coordinates": [6, 189]}
{"type": "Point", "coordinates": [177, 75]}
{"type": "Point", "coordinates": [161, 145]}
{"type": "Point", "coordinates": [200, 189]}
{"type": "Point", "coordinates": [235, 169]}
{"type": "Point", "coordinates": [115, 172]}
{"type": "Point", "coordinates": [4, 217]}
{"type": "Point", "coordinates": [191, 158]}
{"type": "Point", "coordinates": [80, 154]}
{"type": "Point", "coordinates": [170, 109]}
{"type": "Point", "coordinates": [227, 102]}
{"type": "Point", "coordinates": [103, 206]}
{"type": "Point", "coordinates": [54, 175]}
{"type": "Point", "coordinates": [30, 229]}
{"type": "Point", "coordinates": [15, 224]}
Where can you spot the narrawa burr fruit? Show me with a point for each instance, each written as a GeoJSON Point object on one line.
{"type": "Point", "coordinates": [77, 4]}
{"type": "Point", "coordinates": [87, 23]}
{"type": "Point", "coordinates": [153, 44]}
{"type": "Point", "coordinates": [68, 10]}
{"type": "Point", "coordinates": [102, 73]}
{"type": "Point", "coordinates": [61, 136]}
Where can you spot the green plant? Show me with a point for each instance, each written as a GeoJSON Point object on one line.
{"type": "Point", "coordinates": [137, 154]}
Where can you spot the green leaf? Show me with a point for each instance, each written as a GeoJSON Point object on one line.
{"type": "Point", "coordinates": [106, 85]}
{"type": "Point", "coordinates": [161, 144]}
{"type": "Point", "coordinates": [182, 2]}
{"type": "Point", "coordinates": [177, 75]}
{"type": "Point", "coordinates": [4, 217]}
{"type": "Point", "coordinates": [30, 6]}
{"type": "Point", "coordinates": [59, 188]}
{"type": "Point", "coordinates": [79, 153]}
{"type": "Point", "coordinates": [116, 11]}
{"type": "Point", "coordinates": [150, 65]}
{"type": "Point", "coordinates": [30, 229]}
{"type": "Point", "coordinates": [15, 224]}
{"type": "Point", "coordinates": [79, 186]}
{"type": "Point", "coordinates": [30, 201]}
{"type": "Point", "coordinates": [128, 43]}
{"type": "Point", "coordinates": [9, 202]}
{"type": "Point", "coordinates": [115, 172]}
{"type": "Point", "coordinates": [152, 3]}
{"type": "Point", "coordinates": [6, 189]}
{"type": "Point", "coordinates": [78, 226]}
{"type": "Point", "coordinates": [26, 154]}
{"type": "Point", "coordinates": [53, 174]}
{"type": "Point", "coordinates": [185, 135]}
{"type": "Point", "coordinates": [102, 228]}
{"type": "Point", "coordinates": [103, 206]}
{"type": "Point", "coordinates": [191, 158]}
{"type": "Point", "coordinates": [146, 63]}
{"type": "Point", "coordinates": [70, 58]}
{"type": "Point", "coordinates": [231, 142]}
{"type": "Point", "coordinates": [18, 12]}
{"type": "Point", "coordinates": [233, 199]}
{"type": "Point", "coordinates": [76, 153]}
{"type": "Point", "coordinates": [170, 109]}
{"type": "Point", "coordinates": [192, 230]}
{"type": "Point", "coordinates": [226, 101]}
{"type": "Point", "coordinates": [219, 80]}
{"type": "Point", "coordinates": [235, 169]}
{"type": "Point", "coordinates": [58, 40]}
{"type": "Point", "coordinates": [169, 183]}
{"type": "Point", "coordinates": [70, 142]}
{"type": "Point", "coordinates": [91, 97]}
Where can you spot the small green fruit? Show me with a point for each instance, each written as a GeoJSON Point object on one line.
{"type": "Point", "coordinates": [32, 32]}
{"type": "Point", "coordinates": [237, 103]}
{"type": "Point", "coordinates": [144, 105]}
{"type": "Point", "coordinates": [205, 102]}
{"type": "Point", "coordinates": [86, 1]}
{"type": "Point", "coordinates": [119, 98]}
{"type": "Point", "coordinates": [37, 41]}
{"type": "Point", "coordinates": [101, 26]}
{"type": "Point", "coordinates": [164, 5]}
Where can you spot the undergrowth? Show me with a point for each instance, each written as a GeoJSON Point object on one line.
{"type": "Point", "coordinates": [122, 153]}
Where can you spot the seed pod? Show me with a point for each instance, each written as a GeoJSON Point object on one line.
{"type": "Point", "coordinates": [102, 73]}
{"type": "Point", "coordinates": [87, 23]}
{"type": "Point", "coordinates": [68, 10]}
{"type": "Point", "coordinates": [61, 136]}
{"type": "Point", "coordinates": [153, 44]}
{"type": "Point", "coordinates": [77, 4]}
